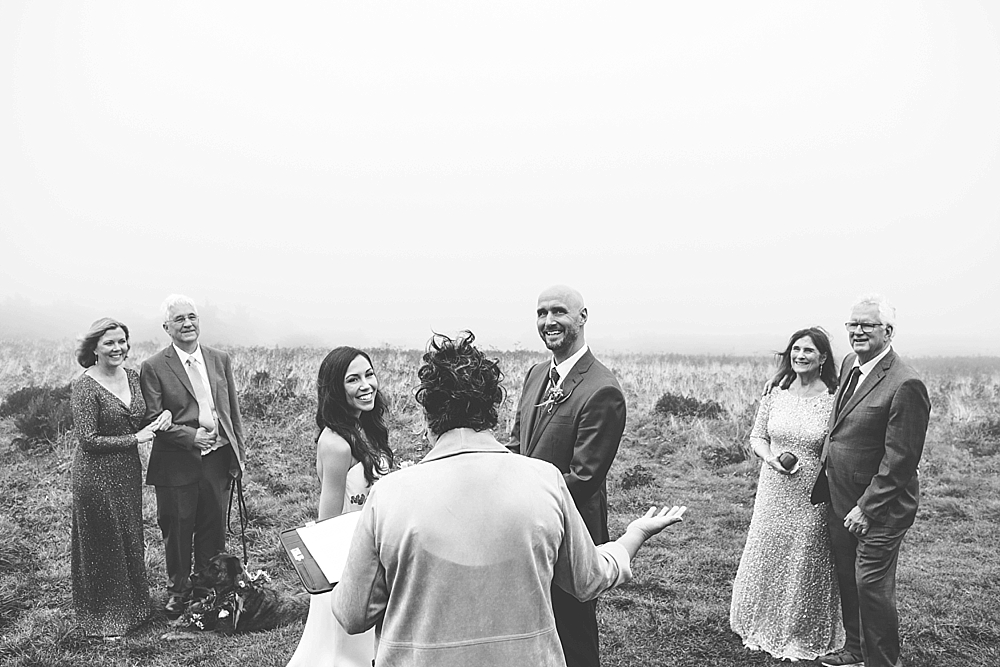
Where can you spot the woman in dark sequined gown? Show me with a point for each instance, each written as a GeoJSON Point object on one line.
{"type": "Point", "coordinates": [785, 596]}
{"type": "Point", "coordinates": [110, 589]}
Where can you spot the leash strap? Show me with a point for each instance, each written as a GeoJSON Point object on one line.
{"type": "Point", "coordinates": [236, 488]}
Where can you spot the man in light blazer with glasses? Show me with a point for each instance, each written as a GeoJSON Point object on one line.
{"type": "Point", "coordinates": [869, 476]}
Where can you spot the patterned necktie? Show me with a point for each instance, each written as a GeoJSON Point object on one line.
{"type": "Point", "coordinates": [206, 416]}
{"type": "Point", "coordinates": [551, 387]}
{"type": "Point", "coordinates": [852, 384]}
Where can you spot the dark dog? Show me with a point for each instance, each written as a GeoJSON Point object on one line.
{"type": "Point", "coordinates": [227, 599]}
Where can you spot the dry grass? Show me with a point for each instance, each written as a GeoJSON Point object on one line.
{"type": "Point", "coordinates": [674, 613]}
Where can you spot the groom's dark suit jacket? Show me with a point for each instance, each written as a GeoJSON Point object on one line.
{"type": "Point", "coordinates": [174, 459]}
{"type": "Point", "coordinates": [580, 436]}
{"type": "Point", "coordinates": [875, 443]}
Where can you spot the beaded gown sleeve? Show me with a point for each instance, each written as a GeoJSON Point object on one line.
{"type": "Point", "coordinates": [101, 425]}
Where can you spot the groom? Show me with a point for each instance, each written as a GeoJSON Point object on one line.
{"type": "Point", "coordinates": [193, 462]}
{"type": "Point", "coordinates": [869, 476]}
{"type": "Point", "coordinates": [572, 414]}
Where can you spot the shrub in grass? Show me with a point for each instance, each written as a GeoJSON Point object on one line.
{"type": "Point", "coordinates": [636, 476]}
{"type": "Point", "coordinates": [41, 413]}
{"type": "Point", "coordinates": [687, 406]}
{"type": "Point", "coordinates": [720, 455]}
{"type": "Point", "coordinates": [980, 438]}
{"type": "Point", "coordinates": [273, 399]}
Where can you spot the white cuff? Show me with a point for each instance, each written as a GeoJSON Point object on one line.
{"type": "Point", "coordinates": [619, 555]}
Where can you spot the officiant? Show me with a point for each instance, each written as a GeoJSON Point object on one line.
{"type": "Point", "coordinates": [453, 558]}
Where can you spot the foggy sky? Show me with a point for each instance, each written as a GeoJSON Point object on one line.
{"type": "Point", "coordinates": [711, 176]}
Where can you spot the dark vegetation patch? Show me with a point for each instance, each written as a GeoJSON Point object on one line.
{"type": "Point", "coordinates": [636, 476]}
{"type": "Point", "coordinates": [721, 454]}
{"type": "Point", "coordinates": [41, 413]}
{"type": "Point", "coordinates": [687, 406]}
{"type": "Point", "coordinates": [274, 398]}
{"type": "Point", "coordinates": [979, 438]}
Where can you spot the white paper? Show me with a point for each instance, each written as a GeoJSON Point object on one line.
{"type": "Point", "coordinates": [329, 541]}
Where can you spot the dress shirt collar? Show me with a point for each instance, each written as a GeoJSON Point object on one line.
{"type": "Point", "coordinates": [464, 441]}
{"type": "Point", "coordinates": [565, 367]}
{"type": "Point", "coordinates": [868, 367]}
{"type": "Point", "coordinates": [184, 356]}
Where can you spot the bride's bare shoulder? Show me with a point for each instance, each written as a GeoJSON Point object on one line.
{"type": "Point", "coordinates": [332, 447]}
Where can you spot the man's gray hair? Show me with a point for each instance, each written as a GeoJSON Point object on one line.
{"type": "Point", "coordinates": [886, 311]}
{"type": "Point", "coordinates": [176, 300]}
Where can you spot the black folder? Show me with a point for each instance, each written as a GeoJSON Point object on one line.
{"type": "Point", "coordinates": [332, 536]}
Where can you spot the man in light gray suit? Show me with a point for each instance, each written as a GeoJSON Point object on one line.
{"type": "Point", "coordinates": [193, 462]}
{"type": "Point", "coordinates": [869, 476]}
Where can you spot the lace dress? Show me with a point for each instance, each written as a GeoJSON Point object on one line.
{"type": "Point", "coordinates": [785, 596]}
{"type": "Point", "coordinates": [324, 641]}
{"type": "Point", "coordinates": [110, 589]}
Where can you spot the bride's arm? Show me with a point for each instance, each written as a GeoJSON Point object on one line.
{"type": "Point", "coordinates": [333, 460]}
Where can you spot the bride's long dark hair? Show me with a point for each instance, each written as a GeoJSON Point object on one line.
{"type": "Point", "coordinates": [370, 448]}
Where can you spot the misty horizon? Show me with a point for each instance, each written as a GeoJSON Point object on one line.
{"type": "Point", "coordinates": [236, 328]}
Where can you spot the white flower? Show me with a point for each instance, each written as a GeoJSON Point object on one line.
{"type": "Point", "coordinates": [553, 397]}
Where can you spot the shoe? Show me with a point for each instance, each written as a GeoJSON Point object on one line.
{"type": "Point", "coordinates": [841, 658]}
{"type": "Point", "coordinates": [175, 606]}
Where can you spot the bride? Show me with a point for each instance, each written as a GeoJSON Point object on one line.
{"type": "Point", "coordinates": [352, 451]}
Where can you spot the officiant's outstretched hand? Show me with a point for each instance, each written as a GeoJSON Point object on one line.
{"type": "Point", "coordinates": [648, 525]}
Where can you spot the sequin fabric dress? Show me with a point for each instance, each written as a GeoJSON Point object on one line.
{"type": "Point", "coordinates": [110, 588]}
{"type": "Point", "coordinates": [785, 596]}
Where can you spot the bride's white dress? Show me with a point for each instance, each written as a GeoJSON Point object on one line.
{"type": "Point", "coordinates": [324, 641]}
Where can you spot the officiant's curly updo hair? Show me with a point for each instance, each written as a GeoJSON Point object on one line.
{"type": "Point", "coordinates": [459, 386]}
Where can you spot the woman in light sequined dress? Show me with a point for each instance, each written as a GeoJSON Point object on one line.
{"type": "Point", "coordinates": [785, 598]}
{"type": "Point", "coordinates": [352, 451]}
{"type": "Point", "coordinates": [110, 589]}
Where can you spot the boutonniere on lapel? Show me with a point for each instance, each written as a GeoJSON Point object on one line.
{"type": "Point", "coordinates": [553, 397]}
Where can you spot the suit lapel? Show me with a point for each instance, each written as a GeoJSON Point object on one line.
{"type": "Point", "coordinates": [867, 385]}
{"type": "Point", "coordinates": [834, 419]}
{"type": "Point", "coordinates": [568, 386]}
{"type": "Point", "coordinates": [211, 367]}
{"type": "Point", "coordinates": [534, 386]}
{"type": "Point", "coordinates": [174, 363]}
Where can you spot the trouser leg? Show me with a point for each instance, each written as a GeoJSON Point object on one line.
{"type": "Point", "coordinates": [213, 497]}
{"type": "Point", "coordinates": [875, 573]}
{"type": "Point", "coordinates": [176, 507]}
{"type": "Point", "coordinates": [844, 547]}
{"type": "Point", "coordinates": [576, 623]}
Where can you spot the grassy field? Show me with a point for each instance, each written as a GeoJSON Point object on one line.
{"type": "Point", "coordinates": [676, 610]}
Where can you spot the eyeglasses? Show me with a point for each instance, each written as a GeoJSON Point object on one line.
{"type": "Point", "coordinates": [866, 327]}
{"type": "Point", "coordinates": [180, 319]}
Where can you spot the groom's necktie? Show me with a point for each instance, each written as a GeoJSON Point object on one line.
{"type": "Point", "coordinates": [206, 416]}
{"type": "Point", "coordinates": [553, 382]}
{"type": "Point", "coordinates": [852, 384]}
